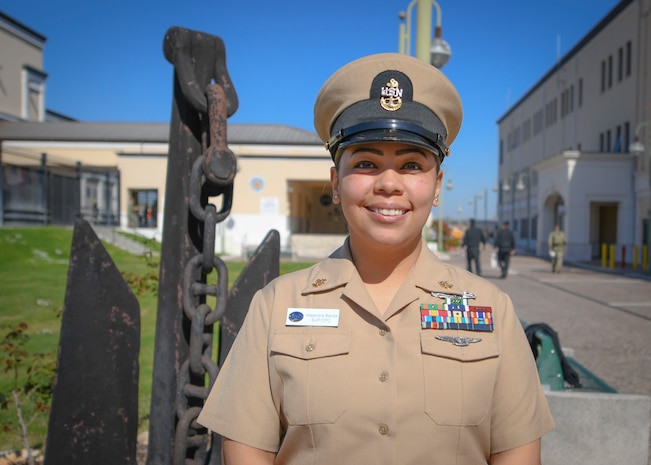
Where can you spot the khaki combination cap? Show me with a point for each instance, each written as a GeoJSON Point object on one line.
{"type": "Point", "coordinates": [388, 97]}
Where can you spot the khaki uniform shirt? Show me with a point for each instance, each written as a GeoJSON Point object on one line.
{"type": "Point", "coordinates": [557, 241]}
{"type": "Point", "coordinates": [377, 389]}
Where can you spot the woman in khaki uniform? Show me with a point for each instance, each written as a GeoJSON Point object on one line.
{"type": "Point", "coordinates": [381, 354]}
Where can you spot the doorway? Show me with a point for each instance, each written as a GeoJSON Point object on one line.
{"type": "Point", "coordinates": [603, 226]}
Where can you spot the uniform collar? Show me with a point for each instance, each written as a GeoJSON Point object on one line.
{"type": "Point", "coordinates": [428, 275]}
{"type": "Point", "coordinates": [331, 273]}
{"type": "Point", "coordinates": [433, 275]}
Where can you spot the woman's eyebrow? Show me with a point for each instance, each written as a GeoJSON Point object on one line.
{"type": "Point", "coordinates": [412, 150]}
{"type": "Point", "coordinates": [368, 149]}
{"type": "Point", "coordinates": [398, 152]}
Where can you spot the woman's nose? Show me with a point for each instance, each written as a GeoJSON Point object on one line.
{"type": "Point", "coordinates": [388, 182]}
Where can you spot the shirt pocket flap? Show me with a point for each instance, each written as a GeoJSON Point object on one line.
{"type": "Point", "coordinates": [309, 346]}
{"type": "Point", "coordinates": [481, 349]}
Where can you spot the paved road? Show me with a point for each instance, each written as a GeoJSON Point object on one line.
{"type": "Point", "coordinates": [603, 316]}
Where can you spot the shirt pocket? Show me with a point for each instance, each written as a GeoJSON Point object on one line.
{"type": "Point", "coordinates": [311, 367]}
{"type": "Point", "coordinates": [459, 381]}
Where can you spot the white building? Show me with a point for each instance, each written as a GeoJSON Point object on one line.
{"type": "Point", "coordinates": [564, 153]}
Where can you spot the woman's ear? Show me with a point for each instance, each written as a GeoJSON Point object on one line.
{"type": "Point", "coordinates": [439, 183]}
{"type": "Point", "coordinates": [334, 182]}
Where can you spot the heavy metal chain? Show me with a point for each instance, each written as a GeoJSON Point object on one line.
{"type": "Point", "coordinates": [212, 176]}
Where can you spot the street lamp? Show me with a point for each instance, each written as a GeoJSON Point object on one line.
{"type": "Point", "coordinates": [638, 149]}
{"type": "Point", "coordinates": [506, 187]}
{"type": "Point", "coordinates": [525, 183]}
{"type": "Point", "coordinates": [435, 51]}
{"type": "Point", "coordinates": [473, 201]}
{"type": "Point", "coordinates": [439, 234]}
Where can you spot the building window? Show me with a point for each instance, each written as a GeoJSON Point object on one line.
{"type": "Point", "coordinates": [601, 142]}
{"type": "Point", "coordinates": [627, 136]}
{"type": "Point", "coordinates": [620, 64]}
{"type": "Point", "coordinates": [526, 130]}
{"type": "Point", "coordinates": [567, 104]}
{"type": "Point", "coordinates": [524, 230]}
{"type": "Point", "coordinates": [537, 122]}
{"type": "Point", "coordinates": [501, 151]}
{"type": "Point", "coordinates": [143, 208]}
{"type": "Point", "coordinates": [628, 58]}
{"type": "Point", "coordinates": [608, 141]}
{"type": "Point", "coordinates": [580, 92]}
{"type": "Point", "coordinates": [618, 140]}
{"type": "Point", "coordinates": [33, 94]}
{"type": "Point", "coordinates": [551, 110]}
{"type": "Point", "coordinates": [610, 71]}
{"type": "Point", "coordinates": [603, 76]}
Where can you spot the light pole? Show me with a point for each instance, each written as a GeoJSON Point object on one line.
{"type": "Point", "coordinates": [473, 200]}
{"type": "Point", "coordinates": [525, 181]}
{"type": "Point", "coordinates": [485, 208]}
{"type": "Point", "coordinates": [638, 149]}
{"type": "Point", "coordinates": [435, 51]}
{"type": "Point", "coordinates": [439, 234]}
{"type": "Point", "coordinates": [506, 187]}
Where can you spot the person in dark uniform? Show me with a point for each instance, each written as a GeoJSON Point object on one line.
{"type": "Point", "coordinates": [505, 245]}
{"type": "Point", "coordinates": [472, 239]}
{"type": "Point", "coordinates": [358, 359]}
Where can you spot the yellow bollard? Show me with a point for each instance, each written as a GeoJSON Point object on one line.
{"type": "Point", "coordinates": [645, 256]}
{"type": "Point", "coordinates": [612, 256]}
{"type": "Point", "coordinates": [635, 248]}
{"type": "Point", "coordinates": [604, 255]}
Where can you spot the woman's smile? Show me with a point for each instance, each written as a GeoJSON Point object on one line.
{"type": "Point", "coordinates": [387, 211]}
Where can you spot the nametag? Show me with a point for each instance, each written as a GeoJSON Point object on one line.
{"type": "Point", "coordinates": [312, 317]}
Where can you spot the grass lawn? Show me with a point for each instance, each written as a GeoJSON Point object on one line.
{"type": "Point", "coordinates": [33, 273]}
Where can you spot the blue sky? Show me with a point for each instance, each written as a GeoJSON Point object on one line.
{"type": "Point", "coordinates": [105, 62]}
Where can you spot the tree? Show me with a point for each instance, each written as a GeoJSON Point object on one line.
{"type": "Point", "coordinates": [30, 392]}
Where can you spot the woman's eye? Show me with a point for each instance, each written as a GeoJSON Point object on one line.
{"type": "Point", "coordinates": [412, 166]}
{"type": "Point", "coordinates": [364, 165]}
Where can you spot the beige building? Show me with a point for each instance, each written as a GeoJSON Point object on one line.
{"type": "Point", "coordinates": [55, 169]}
{"type": "Point", "coordinates": [22, 76]}
{"type": "Point", "coordinates": [119, 170]}
{"type": "Point", "coordinates": [564, 150]}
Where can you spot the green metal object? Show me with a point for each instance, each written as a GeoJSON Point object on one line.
{"type": "Point", "coordinates": [550, 370]}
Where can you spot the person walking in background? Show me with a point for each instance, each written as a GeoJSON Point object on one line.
{"type": "Point", "coordinates": [557, 242]}
{"type": "Point", "coordinates": [471, 241]}
{"type": "Point", "coordinates": [505, 245]}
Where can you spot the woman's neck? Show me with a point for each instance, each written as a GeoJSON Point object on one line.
{"type": "Point", "coordinates": [377, 265]}
{"type": "Point", "coordinates": [382, 271]}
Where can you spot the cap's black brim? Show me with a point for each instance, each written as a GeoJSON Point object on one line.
{"type": "Point", "coordinates": [391, 135]}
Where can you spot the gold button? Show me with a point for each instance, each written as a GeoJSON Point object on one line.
{"type": "Point", "coordinates": [383, 429]}
{"type": "Point", "coordinates": [384, 376]}
{"type": "Point", "coordinates": [383, 332]}
{"type": "Point", "coordinates": [309, 347]}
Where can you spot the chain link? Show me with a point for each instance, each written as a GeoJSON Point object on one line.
{"type": "Point", "coordinates": [212, 175]}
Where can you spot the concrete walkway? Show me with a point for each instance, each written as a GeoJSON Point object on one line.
{"type": "Point", "coordinates": [603, 318]}
{"type": "Point", "coordinates": [112, 235]}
